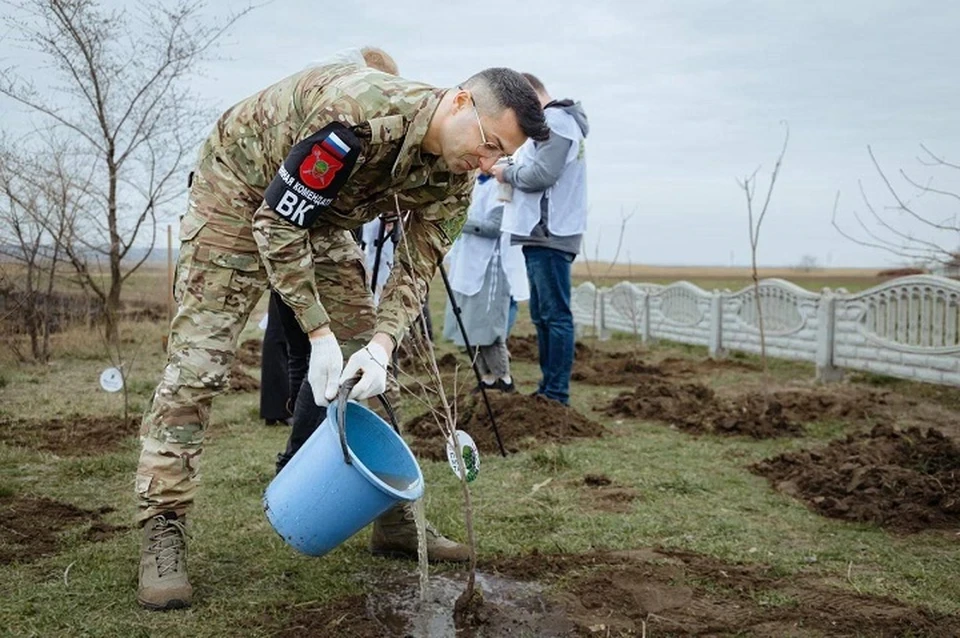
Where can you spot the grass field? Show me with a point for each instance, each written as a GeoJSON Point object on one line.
{"type": "Point", "coordinates": [694, 494]}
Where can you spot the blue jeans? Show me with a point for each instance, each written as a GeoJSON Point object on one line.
{"type": "Point", "coordinates": [549, 273]}
{"type": "Point", "coordinates": [512, 315]}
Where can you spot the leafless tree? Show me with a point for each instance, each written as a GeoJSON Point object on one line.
{"type": "Point", "coordinates": [623, 231]}
{"type": "Point", "coordinates": [115, 89]}
{"type": "Point", "coordinates": [894, 228]}
{"type": "Point", "coordinates": [41, 192]}
{"type": "Point", "coordinates": [808, 263]}
{"type": "Point", "coordinates": [755, 220]}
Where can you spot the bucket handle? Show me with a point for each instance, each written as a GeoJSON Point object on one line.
{"type": "Point", "coordinates": [345, 388]}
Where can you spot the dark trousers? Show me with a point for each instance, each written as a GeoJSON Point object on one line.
{"type": "Point", "coordinates": [276, 399]}
{"type": "Point", "coordinates": [307, 415]}
{"type": "Point", "coordinates": [548, 271]}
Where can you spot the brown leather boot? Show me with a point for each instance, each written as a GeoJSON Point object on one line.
{"type": "Point", "coordinates": [395, 535]}
{"type": "Point", "coordinates": [163, 565]}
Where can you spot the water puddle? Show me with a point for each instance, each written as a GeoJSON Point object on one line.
{"type": "Point", "coordinates": [510, 607]}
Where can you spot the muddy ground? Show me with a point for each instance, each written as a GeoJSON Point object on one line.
{"type": "Point", "coordinates": [906, 481]}
{"type": "Point", "coordinates": [523, 422]}
{"type": "Point", "coordinates": [629, 593]}
{"type": "Point", "coordinates": [32, 527]}
{"type": "Point", "coordinates": [70, 436]}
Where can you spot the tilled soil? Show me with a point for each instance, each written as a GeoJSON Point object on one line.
{"type": "Point", "coordinates": [524, 348]}
{"type": "Point", "coordinates": [906, 481]}
{"type": "Point", "coordinates": [31, 527]}
{"type": "Point", "coordinates": [696, 408]}
{"type": "Point", "coordinates": [634, 593]}
{"type": "Point", "coordinates": [523, 422]}
{"type": "Point", "coordinates": [70, 436]}
{"type": "Point", "coordinates": [241, 381]}
{"type": "Point", "coordinates": [248, 354]}
{"type": "Point", "coordinates": [595, 367]}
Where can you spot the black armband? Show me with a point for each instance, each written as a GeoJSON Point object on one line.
{"type": "Point", "coordinates": [312, 174]}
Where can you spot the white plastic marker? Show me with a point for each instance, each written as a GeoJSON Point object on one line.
{"type": "Point", "coordinates": [263, 322]}
{"type": "Point", "coordinates": [111, 380]}
{"type": "Point", "coordinates": [470, 453]}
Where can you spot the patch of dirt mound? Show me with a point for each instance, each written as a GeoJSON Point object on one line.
{"type": "Point", "coordinates": [625, 368]}
{"type": "Point", "coordinates": [834, 404]}
{"type": "Point", "coordinates": [240, 381]}
{"type": "Point", "coordinates": [603, 494]}
{"type": "Point", "coordinates": [904, 480]}
{"type": "Point", "coordinates": [523, 421]}
{"type": "Point", "coordinates": [704, 366]}
{"type": "Point", "coordinates": [664, 592]}
{"type": "Point", "coordinates": [613, 368]}
{"type": "Point", "coordinates": [70, 436]}
{"type": "Point", "coordinates": [343, 617]}
{"type": "Point", "coordinates": [524, 348]}
{"type": "Point", "coordinates": [248, 353]}
{"type": "Point", "coordinates": [30, 527]}
{"type": "Point", "coordinates": [696, 408]}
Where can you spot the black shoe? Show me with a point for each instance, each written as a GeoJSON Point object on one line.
{"type": "Point", "coordinates": [274, 422]}
{"type": "Point", "coordinates": [503, 386]}
{"type": "Point", "coordinates": [486, 386]}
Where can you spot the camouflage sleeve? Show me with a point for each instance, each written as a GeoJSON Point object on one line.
{"type": "Point", "coordinates": [285, 246]}
{"type": "Point", "coordinates": [286, 253]}
{"type": "Point", "coordinates": [427, 236]}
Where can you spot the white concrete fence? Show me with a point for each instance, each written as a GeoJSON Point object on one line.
{"type": "Point", "coordinates": [907, 328]}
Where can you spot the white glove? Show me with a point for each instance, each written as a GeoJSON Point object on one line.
{"type": "Point", "coordinates": [371, 362]}
{"type": "Point", "coordinates": [326, 363]}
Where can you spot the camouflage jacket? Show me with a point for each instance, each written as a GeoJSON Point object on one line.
{"type": "Point", "coordinates": [389, 116]}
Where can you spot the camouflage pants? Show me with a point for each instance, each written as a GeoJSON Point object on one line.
{"type": "Point", "coordinates": [220, 279]}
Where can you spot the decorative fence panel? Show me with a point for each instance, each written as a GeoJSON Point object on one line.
{"type": "Point", "coordinates": [789, 320]}
{"type": "Point", "coordinates": [907, 328]}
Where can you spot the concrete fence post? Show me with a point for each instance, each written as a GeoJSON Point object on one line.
{"type": "Point", "coordinates": [715, 342]}
{"type": "Point", "coordinates": [645, 318]}
{"type": "Point", "coordinates": [826, 334]}
{"type": "Point", "coordinates": [602, 333]}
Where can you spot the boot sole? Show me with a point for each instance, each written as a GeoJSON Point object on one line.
{"type": "Point", "coordinates": [170, 604]}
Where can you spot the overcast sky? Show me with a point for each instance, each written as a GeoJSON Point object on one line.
{"type": "Point", "coordinates": [683, 96]}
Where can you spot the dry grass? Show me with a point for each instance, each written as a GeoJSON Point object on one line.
{"type": "Point", "coordinates": [733, 278]}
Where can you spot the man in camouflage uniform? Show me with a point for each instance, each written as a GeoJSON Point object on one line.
{"type": "Point", "coordinates": [280, 182]}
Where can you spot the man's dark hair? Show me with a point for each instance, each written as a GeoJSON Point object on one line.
{"type": "Point", "coordinates": [535, 82]}
{"type": "Point", "coordinates": [498, 88]}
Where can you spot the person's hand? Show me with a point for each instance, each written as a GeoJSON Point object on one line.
{"type": "Point", "coordinates": [497, 170]}
{"type": "Point", "coordinates": [326, 363]}
{"type": "Point", "coordinates": [370, 363]}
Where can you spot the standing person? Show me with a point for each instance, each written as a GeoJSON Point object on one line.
{"type": "Point", "coordinates": [286, 350]}
{"type": "Point", "coordinates": [516, 269]}
{"type": "Point", "coordinates": [548, 216]}
{"type": "Point", "coordinates": [276, 396]}
{"type": "Point", "coordinates": [280, 182]}
{"type": "Point", "coordinates": [480, 288]}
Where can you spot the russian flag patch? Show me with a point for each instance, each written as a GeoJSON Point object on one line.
{"type": "Point", "coordinates": [335, 145]}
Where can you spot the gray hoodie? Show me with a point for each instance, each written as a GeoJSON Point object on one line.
{"type": "Point", "coordinates": [549, 159]}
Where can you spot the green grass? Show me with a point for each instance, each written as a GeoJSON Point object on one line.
{"type": "Point", "coordinates": [693, 494]}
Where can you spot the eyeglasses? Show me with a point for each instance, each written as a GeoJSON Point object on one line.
{"type": "Point", "coordinates": [489, 149]}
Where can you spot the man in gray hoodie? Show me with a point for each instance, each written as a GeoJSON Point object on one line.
{"type": "Point", "coordinates": [548, 216]}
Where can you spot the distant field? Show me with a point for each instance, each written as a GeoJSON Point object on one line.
{"type": "Point", "coordinates": [720, 277]}
{"type": "Point", "coordinates": [150, 283]}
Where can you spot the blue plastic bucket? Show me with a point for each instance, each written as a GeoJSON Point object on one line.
{"type": "Point", "coordinates": [320, 499]}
